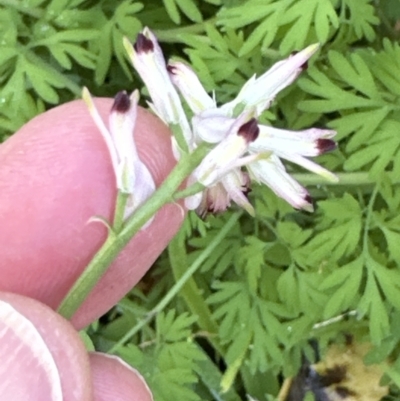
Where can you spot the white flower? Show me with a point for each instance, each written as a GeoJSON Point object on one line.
{"type": "Point", "coordinates": [148, 60]}
{"type": "Point", "coordinates": [190, 86]}
{"type": "Point", "coordinates": [261, 156]}
{"type": "Point", "coordinates": [239, 141]}
{"type": "Point", "coordinates": [260, 92]}
{"type": "Point", "coordinates": [227, 155]}
{"type": "Point", "coordinates": [132, 176]}
{"type": "Point", "coordinates": [295, 145]}
{"type": "Point", "coordinates": [271, 172]}
{"type": "Point", "coordinates": [217, 198]}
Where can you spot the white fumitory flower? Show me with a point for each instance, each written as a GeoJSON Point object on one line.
{"type": "Point", "coordinates": [240, 142]}
{"type": "Point", "coordinates": [148, 60]}
{"type": "Point", "coordinates": [132, 176]}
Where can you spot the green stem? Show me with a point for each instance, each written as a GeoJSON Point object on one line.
{"type": "Point", "coordinates": [120, 206]}
{"type": "Point", "coordinates": [190, 291]}
{"type": "Point", "coordinates": [117, 241]}
{"type": "Point", "coordinates": [174, 35]}
{"type": "Point", "coordinates": [347, 179]}
{"type": "Point", "coordinates": [180, 283]}
{"type": "Point", "coordinates": [192, 190]}
{"type": "Point", "coordinates": [307, 179]}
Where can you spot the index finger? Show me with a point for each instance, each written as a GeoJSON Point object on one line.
{"type": "Point", "coordinates": [55, 174]}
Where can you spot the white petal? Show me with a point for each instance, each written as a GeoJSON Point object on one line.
{"type": "Point", "coordinates": [272, 173]}
{"type": "Point", "coordinates": [215, 200]}
{"type": "Point", "coordinates": [186, 80]}
{"type": "Point", "coordinates": [225, 156]}
{"type": "Point", "coordinates": [144, 187]}
{"type": "Point", "coordinates": [260, 92]}
{"type": "Point", "coordinates": [149, 62]}
{"type": "Point", "coordinates": [212, 125]}
{"type": "Point", "coordinates": [236, 185]}
{"type": "Point", "coordinates": [311, 166]}
{"type": "Point", "coordinates": [311, 142]}
{"type": "Point", "coordinates": [105, 133]}
{"type": "Point", "coordinates": [122, 122]}
{"type": "Point", "coordinates": [192, 202]}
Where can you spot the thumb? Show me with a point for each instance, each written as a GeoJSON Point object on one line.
{"type": "Point", "coordinates": [55, 174]}
{"type": "Point", "coordinates": [113, 379]}
{"type": "Point", "coordinates": [43, 359]}
{"type": "Point", "coordinates": [42, 356]}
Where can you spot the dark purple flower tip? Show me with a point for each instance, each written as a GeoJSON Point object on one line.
{"type": "Point", "coordinates": [325, 145]}
{"type": "Point", "coordinates": [310, 203]}
{"type": "Point", "coordinates": [122, 103]}
{"type": "Point", "coordinates": [249, 131]}
{"type": "Point", "coordinates": [246, 191]}
{"type": "Point", "coordinates": [171, 69]}
{"type": "Point", "coordinates": [143, 44]}
{"type": "Point", "coordinates": [305, 64]}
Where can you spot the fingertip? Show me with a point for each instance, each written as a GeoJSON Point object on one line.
{"type": "Point", "coordinates": [55, 175]}
{"type": "Point", "coordinates": [42, 356]}
{"type": "Point", "coordinates": [113, 380]}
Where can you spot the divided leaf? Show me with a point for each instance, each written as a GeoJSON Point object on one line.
{"type": "Point", "coordinates": [339, 232]}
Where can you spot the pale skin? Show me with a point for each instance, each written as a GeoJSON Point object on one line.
{"type": "Point", "coordinates": [55, 174]}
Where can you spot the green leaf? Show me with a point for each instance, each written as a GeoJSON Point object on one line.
{"type": "Point", "coordinates": [109, 43]}
{"type": "Point", "coordinates": [173, 328]}
{"type": "Point", "coordinates": [385, 65]}
{"type": "Point", "coordinates": [355, 73]}
{"type": "Point", "coordinates": [340, 233]}
{"type": "Point", "coordinates": [43, 83]}
{"type": "Point", "coordinates": [337, 98]}
{"type": "Point", "coordinates": [378, 151]}
{"type": "Point", "coordinates": [392, 236]}
{"type": "Point", "coordinates": [190, 9]}
{"type": "Point", "coordinates": [372, 303]}
{"type": "Point", "coordinates": [248, 324]}
{"type": "Point", "coordinates": [245, 14]}
{"type": "Point", "coordinates": [300, 19]}
{"type": "Point", "coordinates": [169, 363]}
{"type": "Point", "coordinates": [362, 18]}
{"type": "Point", "coordinates": [292, 234]}
{"type": "Point", "coordinates": [346, 282]}
{"type": "Point", "coordinates": [304, 15]}
{"type": "Point", "coordinates": [251, 259]}
{"type": "Point", "coordinates": [362, 124]}
{"type": "Point", "coordinates": [389, 282]}
{"type": "Point", "coordinates": [187, 7]}
{"type": "Point", "coordinates": [211, 376]}
{"type": "Point", "coordinates": [104, 54]}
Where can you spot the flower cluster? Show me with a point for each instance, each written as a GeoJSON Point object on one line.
{"type": "Point", "coordinates": [241, 150]}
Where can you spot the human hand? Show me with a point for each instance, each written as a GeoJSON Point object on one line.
{"type": "Point", "coordinates": [55, 174]}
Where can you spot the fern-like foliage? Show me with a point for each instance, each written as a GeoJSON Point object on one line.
{"type": "Point", "coordinates": [245, 318]}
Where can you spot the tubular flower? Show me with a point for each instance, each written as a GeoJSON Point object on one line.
{"type": "Point", "coordinates": [260, 92]}
{"type": "Point", "coordinates": [148, 60]}
{"type": "Point", "coordinates": [239, 141]}
{"type": "Point", "coordinates": [132, 176]}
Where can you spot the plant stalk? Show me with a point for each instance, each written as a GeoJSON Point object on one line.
{"type": "Point", "coordinates": [116, 241]}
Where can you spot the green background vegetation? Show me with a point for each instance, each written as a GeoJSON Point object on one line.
{"type": "Point", "coordinates": [263, 287]}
